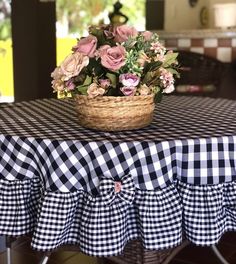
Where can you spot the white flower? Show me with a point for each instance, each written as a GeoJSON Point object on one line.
{"type": "Point", "coordinates": [169, 89]}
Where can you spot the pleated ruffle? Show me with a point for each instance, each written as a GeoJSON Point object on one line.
{"type": "Point", "coordinates": [102, 227]}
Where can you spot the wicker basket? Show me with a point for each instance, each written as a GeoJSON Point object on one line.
{"type": "Point", "coordinates": [134, 253]}
{"type": "Point", "coordinates": [115, 113]}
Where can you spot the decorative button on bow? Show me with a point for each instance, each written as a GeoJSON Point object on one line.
{"type": "Point", "coordinates": [110, 189]}
{"type": "Point", "coordinates": [117, 187]}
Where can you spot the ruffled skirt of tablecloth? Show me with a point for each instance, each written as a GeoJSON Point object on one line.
{"type": "Point", "coordinates": [159, 218]}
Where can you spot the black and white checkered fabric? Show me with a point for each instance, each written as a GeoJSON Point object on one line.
{"type": "Point", "coordinates": [98, 190]}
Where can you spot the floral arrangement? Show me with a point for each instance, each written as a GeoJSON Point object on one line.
{"type": "Point", "coordinates": [116, 61]}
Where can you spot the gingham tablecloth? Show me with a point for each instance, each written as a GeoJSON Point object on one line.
{"type": "Point", "coordinates": [69, 185]}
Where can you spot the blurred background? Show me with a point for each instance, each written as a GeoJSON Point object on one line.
{"type": "Point", "coordinates": [35, 35]}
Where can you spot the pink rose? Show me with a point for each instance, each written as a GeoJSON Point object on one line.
{"type": "Point", "coordinates": [109, 34]}
{"type": "Point", "coordinates": [128, 91]}
{"type": "Point", "coordinates": [129, 79]}
{"type": "Point", "coordinates": [104, 83]}
{"type": "Point", "coordinates": [94, 90]}
{"type": "Point", "coordinates": [118, 187]}
{"type": "Point", "coordinates": [147, 35]}
{"type": "Point", "coordinates": [112, 58]}
{"type": "Point", "coordinates": [124, 32]}
{"type": "Point", "coordinates": [70, 85]}
{"type": "Point", "coordinates": [87, 46]}
{"type": "Point", "coordinates": [73, 64]}
{"type": "Point", "coordinates": [57, 73]}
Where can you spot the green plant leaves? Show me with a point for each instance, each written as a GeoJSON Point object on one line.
{"type": "Point", "coordinates": [152, 66]}
{"type": "Point", "coordinates": [170, 58]}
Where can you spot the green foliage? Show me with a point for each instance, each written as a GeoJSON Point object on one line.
{"type": "Point", "coordinates": [152, 66]}
{"type": "Point", "coordinates": [132, 65]}
{"type": "Point", "coordinates": [170, 59]}
{"type": "Point", "coordinates": [158, 97]}
{"type": "Point", "coordinates": [82, 89]}
{"type": "Point", "coordinates": [113, 78]}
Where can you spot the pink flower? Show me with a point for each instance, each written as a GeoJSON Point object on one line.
{"type": "Point", "coordinates": [166, 78]}
{"type": "Point", "coordinates": [160, 57]}
{"type": "Point", "coordinates": [73, 64]}
{"type": "Point", "coordinates": [109, 34]}
{"type": "Point", "coordinates": [116, 60]}
{"type": "Point", "coordinates": [128, 91]}
{"type": "Point", "coordinates": [57, 73]}
{"type": "Point", "coordinates": [104, 83]}
{"type": "Point", "coordinates": [129, 79]}
{"type": "Point", "coordinates": [94, 90]}
{"type": "Point", "coordinates": [70, 85]}
{"type": "Point", "coordinates": [157, 47]}
{"type": "Point", "coordinates": [124, 32]}
{"type": "Point", "coordinates": [147, 35]}
{"type": "Point", "coordinates": [87, 46]}
{"type": "Point", "coordinates": [112, 58]}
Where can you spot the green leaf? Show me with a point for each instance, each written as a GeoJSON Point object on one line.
{"type": "Point", "coordinates": [170, 58]}
{"type": "Point", "coordinates": [152, 66]}
{"type": "Point", "coordinates": [173, 71]}
{"type": "Point", "coordinates": [113, 78]}
{"type": "Point", "coordinates": [112, 92]}
{"type": "Point", "coordinates": [95, 68]}
{"type": "Point", "coordinates": [151, 78]}
{"type": "Point", "coordinates": [87, 81]}
{"type": "Point", "coordinates": [158, 97]}
{"type": "Point", "coordinates": [147, 77]}
{"type": "Point", "coordinates": [82, 89]}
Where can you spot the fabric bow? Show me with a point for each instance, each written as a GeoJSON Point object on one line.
{"type": "Point", "coordinates": [110, 189]}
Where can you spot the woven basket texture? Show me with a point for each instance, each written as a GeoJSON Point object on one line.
{"type": "Point", "coordinates": [114, 113]}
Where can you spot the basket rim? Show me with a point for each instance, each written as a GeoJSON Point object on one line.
{"type": "Point", "coordinates": [114, 98]}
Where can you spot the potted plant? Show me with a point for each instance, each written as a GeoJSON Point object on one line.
{"type": "Point", "coordinates": [116, 75]}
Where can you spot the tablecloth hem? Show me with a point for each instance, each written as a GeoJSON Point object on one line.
{"type": "Point", "coordinates": [102, 227]}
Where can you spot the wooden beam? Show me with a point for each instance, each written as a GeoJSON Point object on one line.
{"type": "Point", "coordinates": [34, 48]}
